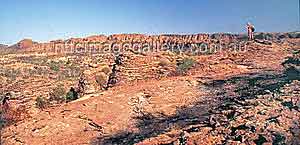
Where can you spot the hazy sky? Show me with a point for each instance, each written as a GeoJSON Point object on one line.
{"type": "Point", "coordinates": [44, 20]}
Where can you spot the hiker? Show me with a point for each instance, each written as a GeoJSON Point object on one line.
{"type": "Point", "coordinates": [250, 30]}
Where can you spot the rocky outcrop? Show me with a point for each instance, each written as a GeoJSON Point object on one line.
{"type": "Point", "coordinates": [101, 41]}
{"type": "Point", "coordinates": [24, 44]}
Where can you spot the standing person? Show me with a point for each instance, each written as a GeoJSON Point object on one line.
{"type": "Point", "coordinates": [250, 30]}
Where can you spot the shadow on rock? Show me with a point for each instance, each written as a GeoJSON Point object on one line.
{"type": "Point", "coordinates": [227, 94]}
{"type": "Point", "coordinates": [151, 125]}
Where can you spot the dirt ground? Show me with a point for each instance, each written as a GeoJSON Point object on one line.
{"type": "Point", "coordinates": [250, 97]}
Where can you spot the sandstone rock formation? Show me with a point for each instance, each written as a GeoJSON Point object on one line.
{"type": "Point", "coordinates": [153, 40]}
{"type": "Point", "coordinates": [23, 44]}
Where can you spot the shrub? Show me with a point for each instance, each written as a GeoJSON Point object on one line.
{"type": "Point", "coordinates": [294, 35]}
{"type": "Point", "coordinates": [54, 66]}
{"type": "Point", "coordinates": [163, 62]}
{"type": "Point", "coordinates": [2, 120]}
{"type": "Point", "coordinates": [263, 36]}
{"type": "Point", "coordinates": [57, 94]}
{"type": "Point", "coordinates": [72, 95]}
{"type": "Point", "coordinates": [68, 62]}
{"type": "Point", "coordinates": [185, 65]}
{"type": "Point", "coordinates": [101, 79]}
{"type": "Point", "coordinates": [10, 115]}
{"type": "Point", "coordinates": [106, 70]}
{"type": "Point", "coordinates": [40, 102]}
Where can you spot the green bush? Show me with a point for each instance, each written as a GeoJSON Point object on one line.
{"type": "Point", "coordinates": [40, 102]}
{"type": "Point", "coordinates": [72, 95]}
{"type": "Point", "coordinates": [185, 65]}
{"type": "Point", "coordinates": [54, 66]}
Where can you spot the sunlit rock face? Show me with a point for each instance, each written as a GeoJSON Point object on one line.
{"type": "Point", "coordinates": [24, 44]}
{"type": "Point", "coordinates": [176, 39]}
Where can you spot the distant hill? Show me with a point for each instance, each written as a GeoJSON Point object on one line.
{"type": "Point", "coordinates": [23, 44]}
{"type": "Point", "coordinates": [2, 46]}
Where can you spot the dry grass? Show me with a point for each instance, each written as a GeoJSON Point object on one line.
{"type": "Point", "coordinates": [101, 79]}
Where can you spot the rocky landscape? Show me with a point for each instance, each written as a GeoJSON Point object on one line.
{"type": "Point", "coordinates": [197, 89]}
